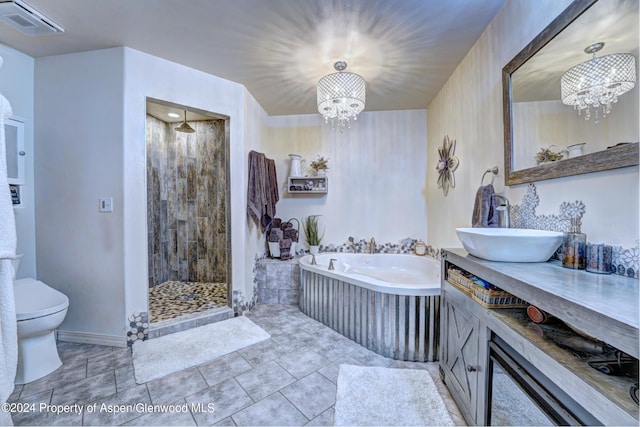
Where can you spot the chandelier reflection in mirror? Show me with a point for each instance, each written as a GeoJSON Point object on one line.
{"type": "Point", "coordinates": [597, 83]}
{"type": "Point", "coordinates": [341, 97]}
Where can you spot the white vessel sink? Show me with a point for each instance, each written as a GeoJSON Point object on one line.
{"type": "Point", "coordinates": [510, 244]}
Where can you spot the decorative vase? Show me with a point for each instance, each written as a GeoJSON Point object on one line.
{"type": "Point", "coordinates": [321, 172]}
{"type": "Point", "coordinates": [576, 150]}
{"type": "Point", "coordinates": [314, 249]}
{"type": "Point", "coordinates": [296, 165]}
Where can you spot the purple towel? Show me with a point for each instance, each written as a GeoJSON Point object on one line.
{"type": "Point", "coordinates": [275, 235]}
{"type": "Point", "coordinates": [285, 248]}
{"type": "Point", "coordinates": [485, 213]}
{"type": "Point", "coordinates": [262, 187]}
{"type": "Point", "coordinates": [271, 189]}
{"type": "Point", "coordinates": [290, 233]}
{"type": "Point", "coordinates": [257, 175]}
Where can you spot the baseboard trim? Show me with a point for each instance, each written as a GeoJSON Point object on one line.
{"type": "Point", "coordinates": [91, 338]}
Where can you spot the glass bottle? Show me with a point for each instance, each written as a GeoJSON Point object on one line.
{"type": "Point", "coordinates": [574, 247]}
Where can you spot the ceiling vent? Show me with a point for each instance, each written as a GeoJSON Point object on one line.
{"type": "Point", "coordinates": [26, 19]}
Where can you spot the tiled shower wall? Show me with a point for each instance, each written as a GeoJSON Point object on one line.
{"type": "Point", "coordinates": [186, 202]}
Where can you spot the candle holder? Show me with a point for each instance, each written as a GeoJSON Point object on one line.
{"type": "Point", "coordinates": [599, 258]}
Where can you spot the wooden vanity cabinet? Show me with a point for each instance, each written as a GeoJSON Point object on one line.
{"type": "Point", "coordinates": [584, 299]}
{"type": "Point", "coordinates": [463, 352]}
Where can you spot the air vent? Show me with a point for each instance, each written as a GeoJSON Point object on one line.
{"type": "Point", "coordinates": [26, 19]}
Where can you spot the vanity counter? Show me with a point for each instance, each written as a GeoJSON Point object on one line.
{"type": "Point", "coordinates": [606, 307]}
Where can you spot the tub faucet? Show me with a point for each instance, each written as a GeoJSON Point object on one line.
{"type": "Point", "coordinates": [372, 246]}
{"type": "Point", "coordinates": [503, 211]}
{"type": "Point", "coordinates": [313, 259]}
{"type": "Point", "coordinates": [331, 267]}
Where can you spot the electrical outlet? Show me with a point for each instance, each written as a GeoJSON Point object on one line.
{"type": "Point", "coordinates": [106, 204]}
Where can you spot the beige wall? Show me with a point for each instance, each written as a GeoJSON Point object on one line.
{"type": "Point", "coordinates": [469, 109]}
{"type": "Point", "coordinates": [377, 174]}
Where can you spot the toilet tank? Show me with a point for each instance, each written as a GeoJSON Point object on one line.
{"type": "Point", "coordinates": [16, 264]}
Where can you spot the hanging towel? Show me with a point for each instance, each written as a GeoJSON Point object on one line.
{"type": "Point", "coordinates": [8, 325]}
{"type": "Point", "coordinates": [272, 186]}
{"type": "Point", "coordinates": [262, 187]}
{"type": "Point", "coordinates": [485, 213]}
{"type": "Point", "coordinates": [8, 337]}
{"type": "Point", "coordinates": [255, 189]}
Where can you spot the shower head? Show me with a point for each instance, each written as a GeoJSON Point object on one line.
{"type": "Point", "coordinates": [184, 127]}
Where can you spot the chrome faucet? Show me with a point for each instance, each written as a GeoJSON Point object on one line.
{"type": "Point", "coordinates": [503, 211]}
{"type": "Point", "coordinates": [331, 267]}
{"type": "Point", "coordinates": [372, 246]}
{"type": "Point", "coordinates": [313, 259]}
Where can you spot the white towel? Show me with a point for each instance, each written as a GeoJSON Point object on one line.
{"type": "Point", "coordinates": [8, 325]}
{"type": "Point", "coordinates": [8, 337]}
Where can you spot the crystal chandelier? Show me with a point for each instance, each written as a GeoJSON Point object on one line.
{"type": "Point", "coordinates": [598, 82]}
{"type": "Point", "coordinates": [341, 97]}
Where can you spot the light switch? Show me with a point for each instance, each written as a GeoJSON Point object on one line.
{"type": "Point", "coordinates": [106, 204]}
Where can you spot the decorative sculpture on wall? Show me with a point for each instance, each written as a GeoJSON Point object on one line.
{"type": "Point", "coordinates": [447, 164]}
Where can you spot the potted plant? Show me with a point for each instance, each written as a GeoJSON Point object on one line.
{"type": "Point", "coordinates": [311, 233]}
{"type": "Point", "coordinates": [320, 166]}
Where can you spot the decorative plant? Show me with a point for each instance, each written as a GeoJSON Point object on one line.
{"type": "Point", "coordinates": [311, 232]}
{"type": "Point", "coordinates": [545, 155]}
{"type": "Point", "coordinates": [319, 164]}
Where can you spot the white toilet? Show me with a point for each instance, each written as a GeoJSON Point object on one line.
{"type": "Point", "coordinates": [40, 309]}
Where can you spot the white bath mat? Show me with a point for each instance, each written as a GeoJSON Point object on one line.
{"type": "Point", "coordinates": [372, 396]}
{"type": "Point", "coordinates": [174, 352]}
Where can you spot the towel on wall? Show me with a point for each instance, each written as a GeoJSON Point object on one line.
{"type": "Point", "coordinates": [255, 188]}
{"type": "Point", "coordinates": [485, 213]}
{"type": "Point", "coordinates": [262, 187]}
{"type": "Point", "coordinates": [8, 337]}
{"type": "Point", "coordinates": [8, 325]}
{"type": "Point", "coordinates": [272, 186]}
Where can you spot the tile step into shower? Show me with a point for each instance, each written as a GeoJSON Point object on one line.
{"type": "Point", "coordinates": [189, 321]}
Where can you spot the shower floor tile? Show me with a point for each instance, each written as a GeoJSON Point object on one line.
{"type": "Point", "coordinates": [174, 299]}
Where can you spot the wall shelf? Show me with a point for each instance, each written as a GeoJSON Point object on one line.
{"type": "Point", "coordinates": [308, 185]}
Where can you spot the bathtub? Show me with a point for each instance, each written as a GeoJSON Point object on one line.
{"type": "Point", "coordinates": [388, 303]}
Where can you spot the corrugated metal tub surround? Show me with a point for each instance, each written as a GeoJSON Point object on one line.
{"type": "Point", "coordinates": [388, 303]}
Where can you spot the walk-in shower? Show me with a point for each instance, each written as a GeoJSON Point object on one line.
{"type": "Point", "coordinates": [187, 212]}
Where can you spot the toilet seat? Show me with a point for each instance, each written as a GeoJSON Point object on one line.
{"type": "Point", "coordinates": [35, 299]}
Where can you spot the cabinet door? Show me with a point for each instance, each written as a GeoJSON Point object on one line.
{"type": "Point", "coordinates": [461, 355]}
{"type": "Point", "coordinates": [14, 141]}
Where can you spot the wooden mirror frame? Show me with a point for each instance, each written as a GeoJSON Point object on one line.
{"type": "Point", "coordinates": [612, 158]}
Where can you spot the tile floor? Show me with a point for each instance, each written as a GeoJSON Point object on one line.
{"type": "Point", "coordinates": [289, 379]}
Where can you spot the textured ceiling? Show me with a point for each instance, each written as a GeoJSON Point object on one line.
{"type": "Point", "coordinates": [279, 49]}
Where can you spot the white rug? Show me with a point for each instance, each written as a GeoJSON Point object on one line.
{"type": "Point", "coordinates": [171, 353]}
{"type": "Point", "coordinates": [371, 396]}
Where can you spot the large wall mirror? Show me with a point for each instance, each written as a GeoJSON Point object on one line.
{"type": "Point", "coordinates": [535, 117]}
